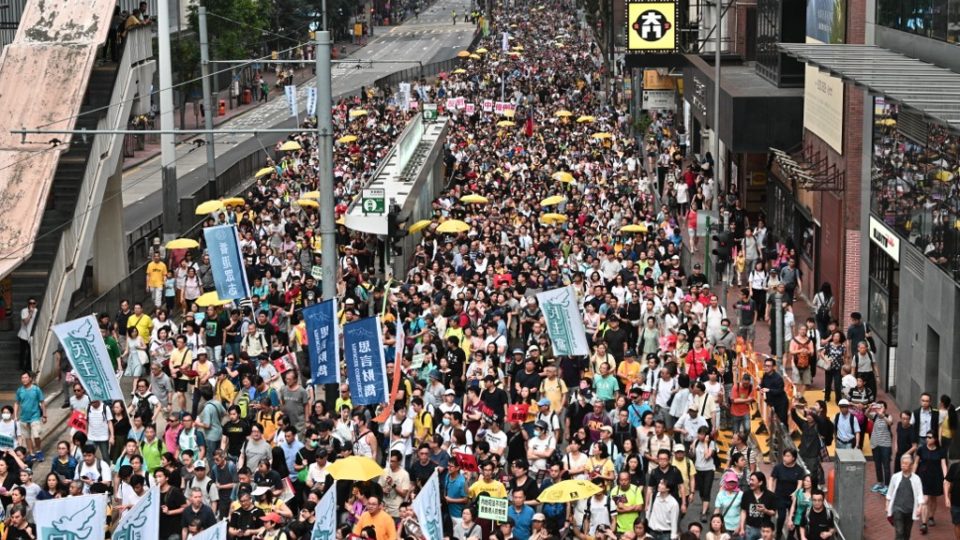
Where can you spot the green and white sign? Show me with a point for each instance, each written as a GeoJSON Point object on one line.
{"type": "Point", "coordinates": [492, 508]}
{"type": "Point", "coordinates": [564, 322]}
{"type": "Point", "coordinates": [430, 111]}
{"type": "Point", "coordinates": [84, 345]}
{"type": "Point", "coordinates": [373, 201]}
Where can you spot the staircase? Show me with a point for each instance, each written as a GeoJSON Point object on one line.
{"type": "Point", "coordinates": [30, 279]}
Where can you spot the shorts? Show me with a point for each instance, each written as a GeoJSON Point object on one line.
{"type": "Point", "coordinates": [803, 374]}
{"type": "Point", "coordinates": [180, 385]}
{"type": "Point", "coordinates": [747, 332]}
{"type": "Point", "coordinates": [955, 514]}
{"type": "Point", "coordinates": [31, 429]}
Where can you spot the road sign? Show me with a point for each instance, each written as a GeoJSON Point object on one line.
{"type": "Point", "coordinates": [372, 201]}
{"type": "Point", "coordinates": [430, 111]}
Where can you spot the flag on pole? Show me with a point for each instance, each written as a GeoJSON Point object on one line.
{"type": "Point", "coordinates": [323, 333]}
{"type": "Point", "coordinates": [397, 370]}
{"type": "Point", "coordinates": [528, 126]}
{"type": "Point", "coordinates": [217, 532]}
{"type": "Point", "coordinates": [291, 91]}
{"type": "Point", "coordinates": [226, 262]}
{"type": "Point", "coordinates": [326, 512]}
{"type": "Point", "coordinates": [142, 522]}
{"type": "Point", "coordinates": [427, 509]}
{"type": "Point", "coordinates": [564, 322]}
{"type": "Point", "coordinates": [88, 355]}
{"type": "Point", "coordinates": [366, 368]}
{"type": "Point", "coordinates": [72, 518]}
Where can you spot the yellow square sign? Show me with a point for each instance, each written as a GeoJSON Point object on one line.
{"type": "Point", "coordinates": [652, 26]}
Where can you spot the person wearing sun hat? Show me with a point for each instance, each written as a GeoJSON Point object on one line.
{"type": "Point", "coordinates": [727, 502]}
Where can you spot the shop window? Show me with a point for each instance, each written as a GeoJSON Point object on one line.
{"type": "Point", "coordinates": [804, 237]}
{"type": "Point", "coordinates": [936, 19]}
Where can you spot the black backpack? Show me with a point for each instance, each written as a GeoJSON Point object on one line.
{"type": "Point", "coordinates": [144, 410]}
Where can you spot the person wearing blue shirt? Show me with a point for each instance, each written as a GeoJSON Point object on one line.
{"type": "Point", "coordinates": [31, 412]}
{"type": "Point", "coordinates": [456, 491]}
{"type": "Point", "coordinates": [522, 516]}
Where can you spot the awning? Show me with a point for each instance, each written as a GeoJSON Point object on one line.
{"type": "Point", "coordinates": [931, 90]}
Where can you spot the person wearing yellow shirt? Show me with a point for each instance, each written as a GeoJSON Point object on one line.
{"type": "Point", "coordinates": [487, 485]}
{"type": "Point", "coordinates": [224, 390]}
{"type": "Point", "coordinates": [156, 273]}
{"type": "Point", "coordinates": [422, 421]}
{"type": "Point", "coordinates": [629, 370]}
{"type": "Point", "coordinates": [375, 517]}
{"type": "Point", "coordinates": [141, 320]}
{"type": "Point", "coordinates": [687, 470]}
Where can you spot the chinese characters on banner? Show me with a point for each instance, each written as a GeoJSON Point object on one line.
{"type": "Point", "coordinates": [487, 105]}
{"type": "Point", "coordinates": [312, 101]}
{"type": "Point", "coordinates": [226, 261]}
{"type": "Point", "coordinates": [87, 353]}
{"type": "Point", "coordinates": [366, 368]}
{"type": "Point", "coordinates": [291, 92]}
{"type": "Point", "coordinates": [470, 109]}
{"type": "Point", "coordinates": [323, 335]}
{"type": "Point", "coordinates": [564, 322]}
{"type": "Point", "coordinates": [499, 107]}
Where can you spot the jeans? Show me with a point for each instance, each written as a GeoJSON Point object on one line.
{"type": "Point", "coordinates": [741, 424]}
{"type": "Point", "coordinates": [26, 356]}
{"type": "Point", "coordinates": [831, 381]}
{"type": "Point", "coordinates": [751, 533]}
{"type": "Point", "coordinates": [104, 448]}
{"type": "Point", "coordinates": [902, 525]}
{"type": "Point", "coordinates": [881, 463]}
{"type": "Point", "coordinates": [838, 444]}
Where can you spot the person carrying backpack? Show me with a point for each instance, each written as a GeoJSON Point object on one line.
{"type": "Point", "coordinates": [144, 404]}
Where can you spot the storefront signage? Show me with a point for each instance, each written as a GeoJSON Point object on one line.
{"type": "Point", "coordinates": [659, 100]}
{"type": "Point", "coordinates": [699, 96]}
{"type": "Point", "coordinates": [652, 26]}
{"type": "Point", "coordinates": [822, 93]}
{"type": "Point", "coordinates": [884, 237]}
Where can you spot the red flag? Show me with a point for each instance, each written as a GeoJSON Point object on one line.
{"type": "Point", "coordinates": [528, 128]}
{"type": "Point", "coordinates": [397, 372]}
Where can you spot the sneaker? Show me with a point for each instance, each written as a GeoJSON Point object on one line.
{"type": "Point", "coordinates": [883, 491]}
{"type": "Point", "coordinates": [931, 523]}
{"type": "Point", "coordinates": [65, 406]}
{"type": "Point", "coordinates": [875, 488]}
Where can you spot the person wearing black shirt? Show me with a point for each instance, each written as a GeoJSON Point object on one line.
{"type": "Point", "coordinates": [235, 432]}
{"type": "Point", "coordinates": [422, 468]}
{"type": "Point", "coordinates": [522, 481]}
{"type": "Point", "coordinates": [786, 476]}
{"type": "Point", "coordinates": [697, 277]}
{"type": "Point", "coordinates": [326, 440]}
{"type": "Point", "coordinates": [756, 506]}
{"type": "Point", "coordinates": [669, 474]}
{"type": "Point", "coordinates": [494, 398]}
{"type": "Point", "coordinates": [616, 338]}
{"type": "Point", "coordinates": [528, 378]}
{"type": "Point", "coordinates": [577, 410]}
{"type": "Point", "coordinates": [819, 519]}
{"type": "Point", "coordinates": [197, 510]}
{"type": "Point", "coordinates": [245, 521]}
{"type": "Point", "coordinates": [19, 528]}
{"type": "Point", "coordinates": [456, 359]}
{"type": "Point", "coordinates": [516, 443]}
{"type": "Point", "coordinates": [172, 504]}
{"type": "Point", "coordinates": [747, 309]}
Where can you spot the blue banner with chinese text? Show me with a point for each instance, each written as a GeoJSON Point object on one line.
{"type": "Point", "coordinates": [366, 368]}
{"type": "Point", "coordinates": [322, 339]}
{"type": "Point", "coordinates": [226, 262]}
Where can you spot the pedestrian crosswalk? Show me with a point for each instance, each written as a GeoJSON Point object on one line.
{"type": "Point", "coordinates": [427, 32]}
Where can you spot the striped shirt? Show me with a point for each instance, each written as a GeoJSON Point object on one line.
{"type": "Point", "coordinates": [881, 435]}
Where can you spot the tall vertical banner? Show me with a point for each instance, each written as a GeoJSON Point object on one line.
{"type": "Point", "coordinates": [312, 101]}
{"type": "Point", "coordinates": [217, 532]}
{"type": "Point", "coordinates": [291, 92]}
{"type": "Point", "coordinates": [505, 42]}
{"type": "Point", "coordinates": [366, 369]}
{"type": "Point", "coordinates": [564, 322]}
{"type": "Point", "coordinates": [323, 333]}
{"type": "Point", "coordinates": [88, 355]}
{"type": "Point", "coordinates": [73, 518]}
{"type": "Point", "coordinates": [142, 522]}
{"type": "Point", "coordinates": [326, 525]}
{"type": "Point", "coordinates": [823, 110]}
{"type": "Point", "coordinates": [427, 508]}
{"type": "Point", "coordinates": [405, 96]}
{"type": "Point", "coordinates": [397, 372]}
{"type": "Point", "coordinates": [226, 261]}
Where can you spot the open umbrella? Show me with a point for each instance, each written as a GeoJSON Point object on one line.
{"type": "Point", "coordinates": [347, 139]}
{"type": "Point", "coordinates": [517, 48]}
{"type": "Point", "coordinates": [211, 299]}
{"type": "Point", "coordinates": [265, 171]}
{"type": "Point", "coordinates": [474, 56]}
{"type": "Point", "coordinates": [556, 199]}
{"type": "Point", "coordinates": [550, 219]}
{"type": "Point", "coordinates": [563, 113]}
{"type": "Point", "coordinates": [452, 226]}
{"type": "Point", "coordinates": [510, 113]}
{"type": "Point", "coordinates": [358, 468]}
{"type": "Point", "coordinates": [602, 135]}
{"type": "Point", "coordinates": [481, 50]}
{"type": "Point", "coordinates": [514, 54]}
{"type": "Point", "coordinates": [562, 176]}
{"type": "Point", "coordinates": [506, 123]}
{"type": "Point", "coordinates": [560, 45]}
{"type": "Point", "coordinates": [209, 207]}
{"type": "Point", "coordinates": [234, 201]}
{"type": "Point", "coordinates": [356, 113]}
{"type": "Point", "coordinates": [464, 54]}
{"type": "Point", "coordinates": [311, 195]}
{"type": "Point", "coordinates": [419, 226]}
{"type": "Point", "coordinates": [563, 492]}
{"type": "Point", "coordinates": [943, 176]}
{"type": "Point", "coordinates": [473, 198]}
{"type": "Point", "coordinates": [290, 146]}
{"type": "Point", "coordinates": [309, 203]}
{"type": "Point", "coordinates": [586, 119]}
{"type": "Point", "coordinates": [183, 243]}
{"type": "Point", "coordinates": [635, 228]}
{"type": "Point", "coordinates": [458, 71]}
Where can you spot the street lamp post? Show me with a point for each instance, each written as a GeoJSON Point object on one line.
{"type": "Point", "coordinates": [168, 150]}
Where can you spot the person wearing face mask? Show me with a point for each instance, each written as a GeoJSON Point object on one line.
{"type": "Point", "coordinates": [8, 426]}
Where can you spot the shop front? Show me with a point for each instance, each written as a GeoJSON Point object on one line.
{"type": "Point", "coordinates": [884, 298]}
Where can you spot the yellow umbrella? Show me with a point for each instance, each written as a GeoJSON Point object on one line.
{"type": "Point", "coordinates": [290, 146]}
{"type": "Point", "coordinates": [464, 54]}
{"type": "Point", "coordinates": [563, 113]}
{"type": "Point", "coordinates": [311, 195]}
{"type": "Point", "coordinates": [550, 219]}
{"type": "Point", "coordinates": [510, 113]}
{"type": "Point", "coordinates": [514, 54]}
{"type": "Point", "coordinates": [506, 123]}
{"type": "Point", "coordinates": [308, 203]}
{"type": "Point", "coordinates": [556, 199]}
{"type": "Point", "coordinates": [358, 468]}
{"type": "Point", "coordinates": [354, 113]}
{"type": "Point", "coordinates": [183, 243]}
{"type": "Point", "coordinates": [563, 176]}
{"type": "Point", "coordinates": [265, 171]}
{"type": "Point", "coordinates": [635, 228]}
{"type": "Point", "coordinates": [341, 221]}
{"type": "Point", "coordinates": [473, 198]}
{"type": "Point", "coordinates": [209, 207]}
{"type": "Point", "coordinates": [347, 139]}
{"type": "Point", "coordinates": [419, 226]}
{"type": "Point", "coordinates": [560, 45]}
{"type": "Point", "coordinates": [474, 56]}
{"type": "Point", "coordinates": [517, 48]}
{"type": "Point", "coordinates": [566, 491]}
{"type": "Point", "coordinates": [452, 226]}
{"type": "Point", "coordinates": [888, 122]}
{"type": "Point", "coordinates": [211, 299]}
{"type": "Point", "coordinates": [602, 135]}
{"type": "Point", "coordinates": [234, 201]}
{"type": "Point", "coordinates": [943, 176]}
{"type": "Point", "coordinates": [481, 50]}
{"type": "Point", "coordinates": [586, 119]}
{"type": "Point", "coordinates": [458, 71]}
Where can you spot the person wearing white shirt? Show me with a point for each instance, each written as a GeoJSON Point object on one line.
{"type": "Point", "coordinates": [688, 424]}
{"type": "Point", "coordinates": [131, 493]}
{"type": "Point", "coordinates": [663, 513]}
{"type": "Point", "coordinates": [92, 470]}
{"type": "Point", "coordinates": [540, 447]}
{"type": "Point", "coordinates": [905, 498]}
{"type": "Point", "coordinates": [100, 428]}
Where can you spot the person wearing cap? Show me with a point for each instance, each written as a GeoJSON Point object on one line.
{"type": "Point", "coordinates": [271, 527]}
{"type": "Point", "coordinates": [690, 423]}
{"type": "Point", "coordinates": [550, 418]}
{"type": "Point", "coordinates": [538, 529]}
{"type": "Point", "coordinates": [540, 447]}
{"type": "Point", "coordinates": [682, 462]}
{"type": "Point", "coordinates": [847, 427]}
{"type": "Point", "coordinates": [727, 502]}
{"type": "Point", "coordinates": [629, 369]}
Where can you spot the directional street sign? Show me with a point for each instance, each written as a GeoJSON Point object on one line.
{"type": "Point", "coordinates": [430, 111]}
{"type": "Point", "coordinates": [372, 201]}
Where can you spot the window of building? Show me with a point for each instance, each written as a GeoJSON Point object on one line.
{"type": "Point", "coordinates": [935, 19]}
{"type": "Point", "coordinates": [884, 301]}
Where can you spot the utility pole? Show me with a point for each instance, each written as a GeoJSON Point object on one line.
{"type": "Point", "coordinates": [328, 235]}
{"type": "Point", "coordinates": [324, 8]}
{"type": "Point", "coordinates": [168, 149]}
{"type": "Point", "coordinates": [716, 105]}
{"type": "Point", "coordinates": [208, 105]}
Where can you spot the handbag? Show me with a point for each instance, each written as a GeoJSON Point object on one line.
{"type": "Point", "coordinates": [823, 363]}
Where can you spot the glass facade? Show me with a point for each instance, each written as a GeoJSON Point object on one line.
{"type": "Point", "coordinates": [915, 186]}
{"type": "Point", "coordinates": [936, 19]}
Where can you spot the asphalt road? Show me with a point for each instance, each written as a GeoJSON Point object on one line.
{"type": "Point", "coordinates": [430, 38]}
